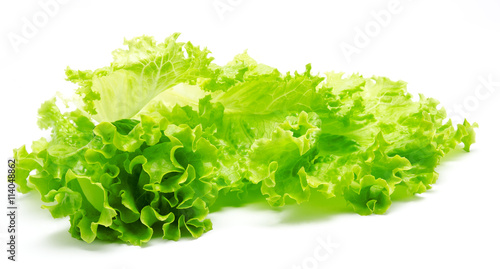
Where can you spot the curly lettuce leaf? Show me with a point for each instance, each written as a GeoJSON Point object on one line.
{"type": "Point", "coordinates": [163, 136]}
{"type": "Point", "coordinates": [137, 75]}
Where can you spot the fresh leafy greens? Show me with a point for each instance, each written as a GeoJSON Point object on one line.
{"type": "Point", "coordinates": [162, 132]}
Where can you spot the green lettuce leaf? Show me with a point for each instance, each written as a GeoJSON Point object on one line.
{"type": "Point", "coordinates": [163, 136]}
{"type": "Point", "coordinates": [138, 75]}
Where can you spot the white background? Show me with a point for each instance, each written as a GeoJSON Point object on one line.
{"type": "Point", "coordinates": [444, 49]}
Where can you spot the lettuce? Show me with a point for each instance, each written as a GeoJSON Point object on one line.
{"type": "Point", "coordinates": [162, 133]}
